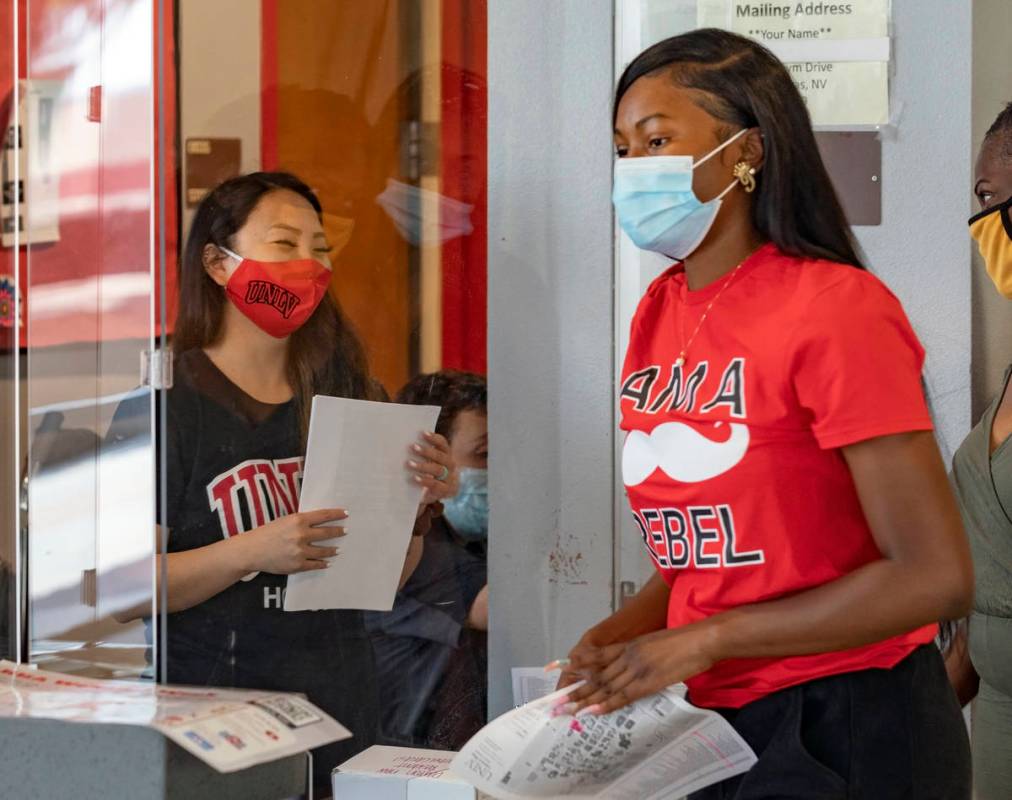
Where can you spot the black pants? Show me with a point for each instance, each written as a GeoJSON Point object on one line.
{"type": "Point", "coordinates": [876, 734]}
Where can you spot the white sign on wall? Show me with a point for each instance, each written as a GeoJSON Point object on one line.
{"type": "Point", "coordinates": [837, 52]}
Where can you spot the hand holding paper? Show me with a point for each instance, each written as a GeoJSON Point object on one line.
{"type": "Point", "coordinates": [433, 463]}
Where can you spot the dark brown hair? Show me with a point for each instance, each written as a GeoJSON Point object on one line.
{"type": "Point", "coordinates": [452, 390]}
{"type": "Point", "coordinates": [742, 83]}
{"type": "Point", "coordinates": [324, 356]}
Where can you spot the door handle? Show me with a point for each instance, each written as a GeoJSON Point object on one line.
{"type": "Point", "coordinates": [626, 592]}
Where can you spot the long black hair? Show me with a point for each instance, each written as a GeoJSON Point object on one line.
{"type": "Point", "coordinates": [742, 83]}
{"type": "Point", "coordinates": [325, 355]}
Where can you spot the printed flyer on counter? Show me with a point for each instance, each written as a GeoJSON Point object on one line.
{"type": "Point", "coordinates": [229, 729]}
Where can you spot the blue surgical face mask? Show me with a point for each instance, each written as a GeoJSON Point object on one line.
{"type": "Point", "coordinates": [423, 216]}
{"type": "Point", "coordinates": [656, 206]}
{"type": "Point", "coordinates": [467, 511]}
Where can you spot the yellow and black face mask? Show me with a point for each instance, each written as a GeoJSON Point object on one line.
{"type": "Point", "coordinates": [992, 230]}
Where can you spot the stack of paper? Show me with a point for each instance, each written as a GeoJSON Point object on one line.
{"type": "Point", "coordinates": [658, 748]}
{"type": "Point", "coordinates": [400, 773]}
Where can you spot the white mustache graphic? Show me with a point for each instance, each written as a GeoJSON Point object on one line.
{"type": "Point", "coordinates": [685, 455]}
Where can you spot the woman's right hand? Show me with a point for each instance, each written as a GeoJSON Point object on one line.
{"type": "Point", "coordinates": [286, 545]}
{"type": "Point", "coordinates": [644, 613]}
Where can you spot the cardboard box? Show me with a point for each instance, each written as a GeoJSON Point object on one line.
{"type": "Point", "coordinates": [400, 773]}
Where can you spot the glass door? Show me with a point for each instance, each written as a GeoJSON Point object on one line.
{"type": "Point", "coordinates": [78, 234]}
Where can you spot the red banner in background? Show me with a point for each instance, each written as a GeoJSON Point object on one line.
{"type": "Point", "coordinates": [268, 85]}
{"type": "Point", "coordinates": [95, 283]}
{"type": "Point", "coordinates": [12, 305]}
{"type": "Point", "coordinates": [463, 176]}
{"type": "Point", "coordinates": [167, 182]}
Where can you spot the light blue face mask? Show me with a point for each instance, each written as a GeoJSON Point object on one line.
{"type": "Point", "coordinates": [467, 511]}
{"type": "Point", "coordinates": [656, 206]}
{"type": "Point", "coordinates": [423, 216]}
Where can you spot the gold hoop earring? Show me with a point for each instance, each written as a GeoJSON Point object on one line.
{"type": "Point", "coordinates": [745, 175]}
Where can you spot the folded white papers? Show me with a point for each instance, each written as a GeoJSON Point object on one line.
{"type": "Point", "coordinates": [532, 683]}
{"type": "Point", "coordinates": [658, 748]}
{"type": "Point", "coordinates": [356, 460]}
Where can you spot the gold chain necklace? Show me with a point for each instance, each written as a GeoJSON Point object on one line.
{"type": "Point", "coordinates": [680, 361]}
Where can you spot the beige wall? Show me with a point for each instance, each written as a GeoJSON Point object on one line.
{"type": "Point", "coordinates": [219, 76]}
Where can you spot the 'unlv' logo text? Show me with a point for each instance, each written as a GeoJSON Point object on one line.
{"type": "Point", "coordinates": [254, 493]}
{"type": "Point", "coordinates": [272, 295]}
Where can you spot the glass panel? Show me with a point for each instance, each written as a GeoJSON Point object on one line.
{"type": "Point", "coordinates": [86, 159]}
{"type": "Point", "coordinates": [11, 444]}
{"type": "Point", "coordinates": [380, 108]}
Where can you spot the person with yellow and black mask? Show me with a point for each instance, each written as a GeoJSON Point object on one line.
{"type": "Point", "coordinates": [982, 475]}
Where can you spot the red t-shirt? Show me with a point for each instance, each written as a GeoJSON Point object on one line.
{"type": "Point", "coordinates": [732, 462]}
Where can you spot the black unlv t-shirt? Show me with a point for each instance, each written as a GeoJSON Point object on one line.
{"type": "Point", "coordinates": [234, 464]}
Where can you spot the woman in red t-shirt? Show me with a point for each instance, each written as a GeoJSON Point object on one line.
{"type": "Point", "coordinates": [779, 459]}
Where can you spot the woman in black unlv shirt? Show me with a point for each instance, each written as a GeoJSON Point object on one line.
{"type": "Point", "coordinates": [256, 337]}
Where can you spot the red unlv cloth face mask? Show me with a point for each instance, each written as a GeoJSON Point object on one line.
{"type": "Point", "coordinates": [278, 296]}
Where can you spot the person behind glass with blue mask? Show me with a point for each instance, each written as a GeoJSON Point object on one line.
{"type": "Point", "coordinates": [467, 511]}
{"type": "Point", "coordinates": [431, 648]}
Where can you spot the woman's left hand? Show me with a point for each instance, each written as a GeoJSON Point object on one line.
{"type": "Point", "coordinates": [619, 674]}
{"type": "Point", "coordinates": [434, 468]}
